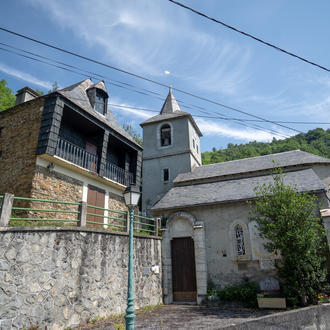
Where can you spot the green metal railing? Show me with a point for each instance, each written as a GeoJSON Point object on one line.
{"type": "Point", "coordinates": [40, 210]}
{"type": "Point", "coordinates": [109, 219]}
{"type": "Point", "coordinates": [150, 223]}
{"type": "Point", "coordinates": [121, 227]}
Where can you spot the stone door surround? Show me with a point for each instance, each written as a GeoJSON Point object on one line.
{"type": "Point", "coordinates": [183, 224]}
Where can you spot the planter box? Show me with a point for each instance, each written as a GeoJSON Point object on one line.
{"type": "Point", "coordinates": [271, 303]}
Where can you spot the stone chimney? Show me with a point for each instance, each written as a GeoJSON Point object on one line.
{"type": "Point", "coordinates": [25, 94]}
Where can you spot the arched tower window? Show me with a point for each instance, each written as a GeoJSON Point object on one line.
{"type": "Point", "coordinates": [240, 245]}
{"type": "Point", "coordinates": [165, 135]}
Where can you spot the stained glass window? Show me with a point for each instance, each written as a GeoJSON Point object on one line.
{"type": "Point", "coordinates": [240, 240]}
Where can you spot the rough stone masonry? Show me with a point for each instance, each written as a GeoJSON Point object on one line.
{"type": "Point", "coordinates": [61, 276]}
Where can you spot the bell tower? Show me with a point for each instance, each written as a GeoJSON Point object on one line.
{"type": "Point", "coordinates": [171, 146]}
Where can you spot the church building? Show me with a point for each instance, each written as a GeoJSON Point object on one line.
{"type": "Point", "coordinates": [209, 238]}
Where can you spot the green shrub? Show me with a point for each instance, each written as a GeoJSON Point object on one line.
{"type": "Point", "coordinates": [243, 293]}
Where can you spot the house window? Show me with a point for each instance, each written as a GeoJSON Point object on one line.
{"type": "Point", "coordinates": [197, 148]}
{"type": "Point", "coordinates": [165, 135]}
{"type": "Point", "coordinates": [194, 143]}
{"type": "Point", "coordinates": [240, 245]}
{"type": "Point", "coordinates": [166, 175]}
{"type": "Point", "coordinates": [100, 102]}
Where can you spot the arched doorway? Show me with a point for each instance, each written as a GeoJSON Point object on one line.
{"type": "Point", "coordinates": [184, 259]}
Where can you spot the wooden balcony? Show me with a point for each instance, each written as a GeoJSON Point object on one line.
{"type": "Point", "coordinates": [118, 174]}
{"type": "Point", "coordinates": [89, 161]}
{"type": "Point", "coordinates": [76, 155]}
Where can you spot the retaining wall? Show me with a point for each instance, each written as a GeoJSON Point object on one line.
{"type": "Point", "coordinates": [61, 276]}
{"type": "Point", "coordinates": [308, 318]}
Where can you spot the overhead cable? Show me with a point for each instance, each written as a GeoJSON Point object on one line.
{"type": "Point", "coordinates": [250, 35]}
{"type": "Point", "coordinates": [146, 79]}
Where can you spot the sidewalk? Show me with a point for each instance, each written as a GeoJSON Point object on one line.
{"type": "Point", "coordinates": [184, 317]}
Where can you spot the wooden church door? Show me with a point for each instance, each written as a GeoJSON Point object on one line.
{"type": "Point", "coordinates": [183, 269]}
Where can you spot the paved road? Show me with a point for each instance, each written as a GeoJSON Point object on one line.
{"type": "Point", "coordinates": [186, 317]}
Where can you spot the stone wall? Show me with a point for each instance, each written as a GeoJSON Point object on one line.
{"type": "Point", "coordinates": [55, 186]}
{"type": "Point", "coordinates": [313, 317]}
{"type": "Point", "coordinates": [117, 202]}
{"type": "Point", "coordinates": [59, 277]}
{"type": "Point", "coordinates": [18, 143]}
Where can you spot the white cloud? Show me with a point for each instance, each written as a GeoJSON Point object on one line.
{"type": "Point", "coordinates": [25, 76]}
{"type": "Point", "coordinates": [212, 128]}
{"type": "Point", "coordinates": [147, 36]}
{"type": "Point", "coordinates": [129, 110]}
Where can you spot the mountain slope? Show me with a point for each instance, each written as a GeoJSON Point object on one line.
{"type": "Point", "coordinates": [316, 141]}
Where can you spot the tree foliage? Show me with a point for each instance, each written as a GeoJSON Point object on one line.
{"type": "Point", "coordinates": [316, 141]}
{"type": "Point", "coordinates": [7, 98]}
{"type": "Point", "coordinates": [287, 219]}
{"type": "Point", "coordinates": [40, 92]}
{"type": "Point", "coordinates": [132, 132]}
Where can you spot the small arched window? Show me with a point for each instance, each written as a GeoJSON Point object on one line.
{"type": "Point", "coordinates": [165, 135]}
{"type": "Point", "coordinates": [240, 245]}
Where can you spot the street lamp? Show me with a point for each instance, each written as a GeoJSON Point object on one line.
{"type": "Point", "coordinates": [131, 196]}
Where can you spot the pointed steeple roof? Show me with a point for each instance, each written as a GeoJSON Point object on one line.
{"type": "Point", "coordinates": [171, 110]}
{"type": "Point", "coordinates": [170, 105]}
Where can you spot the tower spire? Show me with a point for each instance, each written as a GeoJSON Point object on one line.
{"type": "Point", "coordinates": [170, 105]}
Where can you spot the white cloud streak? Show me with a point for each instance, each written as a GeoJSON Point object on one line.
{"type": "Point", "coordinates": [212, 128]}
{"type": "Point", "coordinates": [128, 110]}
{"type": "Point", "coordinates": [144, 36]}
{"type": "Point", "coordinates": [25, 76]}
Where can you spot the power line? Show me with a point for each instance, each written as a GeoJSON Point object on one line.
{"type": "Point", "coordinates": [220, 115]}
{"type": "Point", "coordinates": [225, 118]}
{"type": "Point", "coordinates": [250, 35]}
{"type": "Point", "coordinates": [146, 79]}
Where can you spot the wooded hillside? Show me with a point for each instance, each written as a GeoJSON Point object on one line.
{"type": "Point", "coordinates": [316, 141]}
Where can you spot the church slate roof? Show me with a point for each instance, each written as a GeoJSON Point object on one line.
{"type": "Point", "coordinates": [171, 110]}
{"type": "Point", "coordinates": [234, 190]}
{"type": "Point", "coordinates": [283, 159]}
{"type": "Point", "coordinates": [76, 93]}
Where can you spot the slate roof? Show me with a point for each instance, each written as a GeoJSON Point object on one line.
{"type": "Point", "coordinates": [232, 190]}
{"type": "Point", "coordinates": [76, 93]}
{"type": "Point", "coordinates": [284, 159]}
{"type": "Point", "coordinates": [171, 110]}
{"type": "Point", "coordinates": [100, 85]}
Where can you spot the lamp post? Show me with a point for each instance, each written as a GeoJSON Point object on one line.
{"type": "Point", "coordinates": [131, 196]}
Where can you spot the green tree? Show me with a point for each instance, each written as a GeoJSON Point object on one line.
{"type": "Point", "coordinates": [132, 132]}
{"type": "Point", "coordinates": [40, 92]}
{"type": "Point", "coordinates": [7, 98]}
{"type": "Point", "coordinates": [315, 141]}
{"type": "Point", "coordinates": [287, 219]}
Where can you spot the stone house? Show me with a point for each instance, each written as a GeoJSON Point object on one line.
{"type": "Point", "coordinates": [67, 146]}
{"type": "Point", "coordinates": [208, 236]}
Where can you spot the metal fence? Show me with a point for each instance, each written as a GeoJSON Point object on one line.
{"type": "Point", "coordinates": [25, 211]}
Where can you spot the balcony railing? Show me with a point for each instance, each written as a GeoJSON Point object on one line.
{"type": "Point", "coordinates": [76, 155]}
{"type": "Point", "coordinates": [118, 174]}
{"type": "Point", "coordinates": [83, 158]}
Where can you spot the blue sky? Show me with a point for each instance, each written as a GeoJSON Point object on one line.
{"type": "Point", "coordinates": [150, 37]}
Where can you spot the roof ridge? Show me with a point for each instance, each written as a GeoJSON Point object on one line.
{"type": "Point", "coordinates": [277, 153]}
{"type": "Point", "coordinates": [74, 85]}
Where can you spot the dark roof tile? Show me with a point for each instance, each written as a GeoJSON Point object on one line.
{"type": "Point", "coordinates": [284, 159]}
{"type": "Point", "coordinates": [232, 190]}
